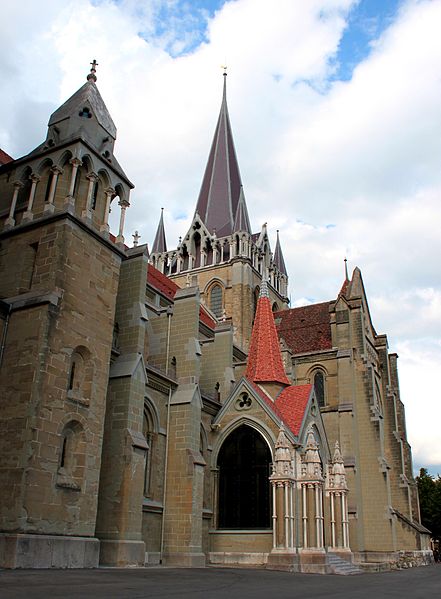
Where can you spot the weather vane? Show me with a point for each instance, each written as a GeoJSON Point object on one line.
{"type": "Point", "coordinates": [224, 67]}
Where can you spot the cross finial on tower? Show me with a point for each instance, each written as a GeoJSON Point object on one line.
{"type": "Point", "coordinates": [92, 75]}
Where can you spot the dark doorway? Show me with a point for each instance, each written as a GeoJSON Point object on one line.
{"type": "Point", "coordinates": [244, 489]}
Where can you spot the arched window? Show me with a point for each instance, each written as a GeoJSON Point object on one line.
{"type": "Point", "coordinates": [80, 374]}
{"type": "Point", "coordinates": [244, 489]}
{"type": "Point", "coordinates": [197, 250]}
{"type": "Point", "coordinates": [216, 304]}
{"type": "Point", "coordinates": [203, 449]}
{"type": "Point", "coordinates": [255, 301]}
{"type": "Point", "coordinates": [148, 431]}
{"type": "Point", "coordinates": [48, 186]}
{"type": "Point", "coordinates": [319, 387]}
{"type": "Point", "coordinates": [72, 456]}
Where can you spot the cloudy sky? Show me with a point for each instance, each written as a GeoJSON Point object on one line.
{"type": "Point", "coordinates": [336, 113]}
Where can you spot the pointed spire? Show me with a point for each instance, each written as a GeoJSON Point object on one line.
{"type": "Point", "coordinates": [278, 256]}
{"type": "Point", "coordinates": [221, 186]}
{"type": "Point", "coordinates": [160, 244]}
{"type": "Point", "coordinates": [85, 102]}
{"type": "Point", "coordinates": [265, 363]}
{"type": "Point", "coordinates": [344, 287]}
{"type": "Point", "coordinates": [242, 220]}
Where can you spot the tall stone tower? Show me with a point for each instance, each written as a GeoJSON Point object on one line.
{"type": "Point", "coordinates": [59, 270]}
{"type": "Point", "coordinates": [220, 253]}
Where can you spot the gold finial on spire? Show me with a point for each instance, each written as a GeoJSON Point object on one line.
{"type": "Point", "coordinates": [92, 75]}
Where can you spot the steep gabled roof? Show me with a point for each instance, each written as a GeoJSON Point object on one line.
{"type": "Point", "coordinates": [5, 158]}
{"type": "Point", "coordinates": [160, 243]}
{"type": "Point", "coordinates": [220, 191]}
{"type": "Point", "coordinates": [265, 363]}
{"type": "Point", "coordinates": [292, 403]}
{"type": "Point", "coordinates": [307, 328]}
{"type": "Point", "coordinates": [290, 406]}
{"type": "Point", "coordinates": [278, 257]}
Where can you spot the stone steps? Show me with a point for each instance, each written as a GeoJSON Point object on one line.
{"type": "Point", "coordinates": [341, 566]}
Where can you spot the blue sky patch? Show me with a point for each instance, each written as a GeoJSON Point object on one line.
{"type": "Point", "coordinates": [367, 21]}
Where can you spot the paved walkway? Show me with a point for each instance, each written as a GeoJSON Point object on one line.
{"type": "Point", "coordinates": [216, 583]}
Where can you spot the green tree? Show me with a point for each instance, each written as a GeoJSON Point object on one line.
{"type": "Point", "coordinates": [429, 490]}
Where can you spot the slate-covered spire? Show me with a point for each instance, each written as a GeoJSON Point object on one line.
{"type": "Point", "coordinates": [278, 257]}
{"type": "Point", "coordinates": [221, 186]}
{"type": "Point", "coordinates": [160, 244]}
{"type": "Point", "coordinates": [265, 363]}
{"type": "Point", "coordinates": [242, 220]}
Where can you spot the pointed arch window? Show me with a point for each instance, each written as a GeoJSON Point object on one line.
{"type": "Point", "coordinates": [244, 489]}
{"type": "Point", "coordinates": [94, 195]}
{"type": "Point", "coordinates": [48, 186]}
{"type": "Point", "coordinates": [149, 434]}
{"type": "Point", "coordinates": [216, 300]}
{"type": "Point", "coordinates": [319, 387]}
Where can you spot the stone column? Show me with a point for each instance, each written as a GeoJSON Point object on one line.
{"type": "Point", "coordinates": [10, 221]}
{"type": "Point", "coordinates": [336, 490]}
{"type": "Point", "coordinates": [282, 481]}
{"type": "Point", "coordinates": [124, 204]}
{"type": "Point", "coordinates": [70, 200]}
{"type": "Point", "coordinates": [110, 193]}
{"type": "Point", "coordinates": [50, 206]}
{"type": "Point", "coordinates": [28, 214]}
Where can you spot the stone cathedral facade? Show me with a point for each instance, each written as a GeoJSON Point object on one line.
{"type": "Point", "coordinates": [168, 406]}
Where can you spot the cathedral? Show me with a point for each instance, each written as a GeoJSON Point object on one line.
{"type": "Point", "coordinates": [167, 406]}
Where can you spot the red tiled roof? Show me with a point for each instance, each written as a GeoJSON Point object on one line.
{"type": "Point", "coordinates": [305, 329]}
{"type": "Point", "coordinates": [167, 287]}
{"type": "Point", "coordinates": [292, 403]}
{"type": "Point", "coordinates": [206, 318]}
{"type": "Point", "coordinates": [264, 358]}
{"type": "Point", "coordinates": [344, 287]}
{"type": "Point", "coordinates": [290, 406]}
{"type": "Point", "coordinates": [5, 158]}
{"type": "Point", "coordinates": [160, 282]}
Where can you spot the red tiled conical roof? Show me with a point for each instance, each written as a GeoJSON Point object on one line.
{"type": "Point", "coordinates": [264, 359]}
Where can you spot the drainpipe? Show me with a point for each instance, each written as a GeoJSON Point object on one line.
{"type": "Point", "coordinates": [167, 435]}
{"type": "Point", "coordinates": [5, 330]}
